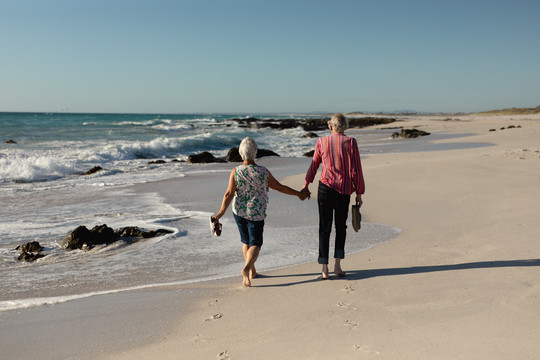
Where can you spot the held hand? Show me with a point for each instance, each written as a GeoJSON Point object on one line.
{"type": "Point", "coordinates": [305, 190]}
{"type": "Point", "coordinates": [359, 200]}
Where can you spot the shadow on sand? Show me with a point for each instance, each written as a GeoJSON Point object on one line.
{"type": "Point", "coordinates": [371, 273]}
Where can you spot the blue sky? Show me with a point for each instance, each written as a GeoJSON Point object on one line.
{"type": "Point", "coordinates": [268, 56]}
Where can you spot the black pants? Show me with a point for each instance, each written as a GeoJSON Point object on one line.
{"type": "Point", "coordinates": [332, 203]}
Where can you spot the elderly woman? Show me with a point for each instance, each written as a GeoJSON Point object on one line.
{"type": "Point", "coordinates": [248, 190]}
{"type": "Point", "coordinates": [341, 176]}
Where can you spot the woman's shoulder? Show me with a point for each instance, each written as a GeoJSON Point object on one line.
{"type": "Point", "coordinates": [262, 169]}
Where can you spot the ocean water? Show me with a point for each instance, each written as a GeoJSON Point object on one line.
{"type": "Point", "coordinates": [43, 197]}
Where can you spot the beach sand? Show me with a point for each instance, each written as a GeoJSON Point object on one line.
{"type": "Point", "coordinates": [460, 282]}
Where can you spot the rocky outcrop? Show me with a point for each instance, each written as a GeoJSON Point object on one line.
{"type": "Point", "coordinates": [128, 233]}
{"type": "Point", "coordinates": [82, 238]}
{"type": "Point", "coordinates": [93, 170]}
{"type": "Point", "coordinates": [30, 257]}
{"type": "Point", "coordinates": [409, 133]}
{"type": "Point", "coordinates": [308, 124]}
{"type": "Point", "coordinates": [30, 252]}
{"type": "Point", "coordinates": [10, 142]}
{"type": "Point", "coordinates": [256, 123]}
{"type": "Point", "coordinates": [33, 247]}
{"type": "Point", "coordinates": [204, 158]}
{"type": "Point", "coordinates": [234, 156]}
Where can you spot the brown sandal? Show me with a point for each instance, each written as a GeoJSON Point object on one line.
{"type": "Point", "coordinates": [215, 226]}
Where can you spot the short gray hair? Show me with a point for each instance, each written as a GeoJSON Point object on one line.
{"type": "Point", "coordinates": [339, 123]}
{"type": "Point", "coordinates": [248, 149]}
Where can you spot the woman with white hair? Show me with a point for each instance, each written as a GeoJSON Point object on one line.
{"type": "Point", "coordinates": [341, 176]}
{"type": "Point", "coordinates": [248, 191]}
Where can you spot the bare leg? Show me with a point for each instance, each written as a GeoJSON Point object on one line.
{"type": "Point", "coordinates": [252, 272]}
{"type": "Point", "coordinates": [251, 255]}
{"type": "Point", "coordinates": [325, 271]}
{"type": "Point", "coordinates": [337, 268]}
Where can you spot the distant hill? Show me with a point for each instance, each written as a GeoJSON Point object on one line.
{"type": "Point", "coordinates": [513, 111]}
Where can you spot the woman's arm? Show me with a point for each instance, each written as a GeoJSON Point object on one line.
{"type": "Point", "coordinates": [276, 185]}
{"type": "Point", "coordinates": [228, 197]}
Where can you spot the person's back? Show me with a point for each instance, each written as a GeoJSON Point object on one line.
{"type": "Point", "coordinates": [337, 154]}
{"type": "Point", "coordinates": [251, 195]}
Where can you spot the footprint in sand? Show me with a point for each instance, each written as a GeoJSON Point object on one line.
{"type": "Point", "coordinates": [365, 349]}
{"type": "Point", "coordinates": [346, 306]}
{"type": "Point", "coordinates": [351, 324]}
{"type": "Point", "coordinates": [224, 355]}
{"type": "Point", "coordinates": [215, 317]}
{"type": "Point", "coordinates": [348, 289]}
{"type": "Point", "coordinates": [199, 338]}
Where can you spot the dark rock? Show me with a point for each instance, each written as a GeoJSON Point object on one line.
{"type": "Point", "coordinates": [78, 238]}
{"type": "Point", "coordinates": [157, 162]}
{"type": "Point", "coordinates": [30, 257]}
{"type": "Point", "coordinates": [10, 142]}
{"type": "Point", "coordinates": [315, 124]}
{"type": "Point", "coordinates": [369, 121]}
{"type": "Point", "coordinates": [204, 158]}
{"type": "Point", "coordinates": [32, 247]}
{"type": "Point", "coordinates": [309, 153]}
{"type": "Point", "coordinates": [102, 234]}
{"type": "Point", "coordinates": [82, 238]}
{"type": "Point", "coordinates": [279, 124]}
{"type": "Point", "coordinates": [409, 133]}
{"type": "Point", "coordinates": [30, 251]}
{"type": "Point", "coordinates": [93, 170]}
{"type": "Point", "coordinates": [308, 124]}
{"type": "Point", "coordinates": [132, 231]}
{"type": "Point", "coordinates": [322, 124]}
{"type": "Point", "coordinates": [264, 152]}
{"type": "Point", "coordinates": [234, 156]}
{"type": "Point", "coordinates": [128, 232]}
{"type": "Point", "coordinates": [310, 135]}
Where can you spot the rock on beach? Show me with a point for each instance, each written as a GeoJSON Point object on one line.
{"type": "Point", "coordinates": [82, 238]}
{"type": "Point", "coordinates": [234, 156]}
{"type": "Point", "coordinates": [409, 133]}
{"type": "Point", "coordinates": [30, 251]}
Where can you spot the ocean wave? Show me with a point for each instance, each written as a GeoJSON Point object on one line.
{"type": "Point", "coordinates": [136, 123]}
{"type": "Point", "coordinates": [175, 127]}
{"type": "Point", "coordinates": [34, 168]}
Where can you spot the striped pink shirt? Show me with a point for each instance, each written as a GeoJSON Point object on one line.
{"type": "Point", "coordinates": [341, 166]}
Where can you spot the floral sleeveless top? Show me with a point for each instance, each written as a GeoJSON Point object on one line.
{"type": "Point", "coordinates": [251, 195]}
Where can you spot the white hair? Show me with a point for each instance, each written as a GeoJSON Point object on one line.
{"type": "Point", "coordinates": [339, 123]}
{"type": "Point", "coordinates": [248, 149]}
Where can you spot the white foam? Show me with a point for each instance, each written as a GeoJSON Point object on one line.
{"type": "Point", "coordinates": [21, 168]}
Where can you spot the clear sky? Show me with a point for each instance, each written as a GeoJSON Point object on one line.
{"type": "Point", "coordinates": [255, 56]}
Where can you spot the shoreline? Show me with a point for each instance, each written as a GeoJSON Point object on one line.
{"type": "Point", "coordinates": [459, 281]}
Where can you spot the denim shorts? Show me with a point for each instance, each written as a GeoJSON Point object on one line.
{"type": "Point", "coordinates": [251, 232]}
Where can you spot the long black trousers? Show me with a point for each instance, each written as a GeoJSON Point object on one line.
{"type": "Point", "coordinates": [332, 204]}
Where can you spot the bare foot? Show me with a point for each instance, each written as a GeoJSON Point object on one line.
{"type": "Point", "coordinates": [338, 271]}
{"type": "Point", "coordinates": [253, 273]}
{"type": "Point", "coordinates": [325, 272]}
{"type": "Point", "coordinates": [245, 274]}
